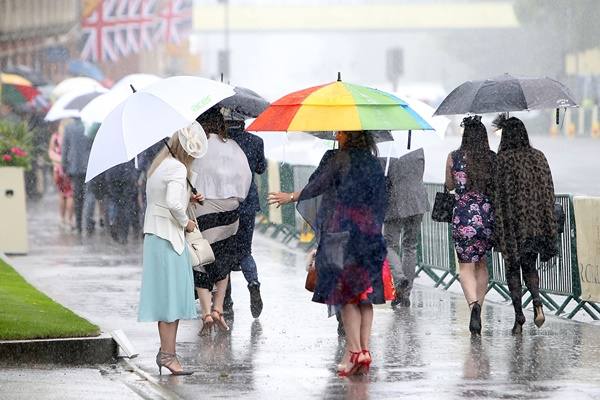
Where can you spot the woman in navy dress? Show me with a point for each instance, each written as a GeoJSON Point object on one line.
{"type": "Point", "coordinates": [470, 172]}
{"type": "Point", "coordinates": [345, 203]}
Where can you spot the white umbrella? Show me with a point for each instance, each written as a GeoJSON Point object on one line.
{"type": "Point", "coordinates": [99, 108]}
{"type": "Point", "coordinates": [74, 84]}
{"type": "Point", "coordinates": [150, 115]}
{"type": "Point", "coordinates": [70, 104]}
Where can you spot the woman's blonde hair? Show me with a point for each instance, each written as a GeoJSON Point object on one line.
{"type": "Point", "coordinates": [177, 151]}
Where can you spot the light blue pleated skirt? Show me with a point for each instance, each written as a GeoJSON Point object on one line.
{"type": "Point", "coordinates": [167, 292]}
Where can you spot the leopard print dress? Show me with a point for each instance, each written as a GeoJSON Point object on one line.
{"type": "Point", "coordinates": [524, 202]}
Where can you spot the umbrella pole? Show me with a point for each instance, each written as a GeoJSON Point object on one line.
{"type": "Point", "coordinates": [387, 162]}
{"type": "Point", "coordinates": [409, 139]}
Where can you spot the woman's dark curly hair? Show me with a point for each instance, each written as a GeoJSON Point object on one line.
{"type": "Point", "coordinates": [514, 134]}
{"type": "Point", "coordinates": [361, 140]}
{"type": "Point", "coordinates": [480, 158]}
{"type": "Point", "coordinates": [212, 122]}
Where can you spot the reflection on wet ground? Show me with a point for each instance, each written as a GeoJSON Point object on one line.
{"type": "Point", "coordinates": [423, 352]}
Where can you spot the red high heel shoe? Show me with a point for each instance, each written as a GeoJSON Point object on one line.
{"type": "Point", "coordinates": [343, 372]}
{"type": "Point", "coordinates": [365, 364]}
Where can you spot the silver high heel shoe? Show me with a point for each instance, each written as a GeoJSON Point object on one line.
{"type": "Point", "coordinates": [164, 359]}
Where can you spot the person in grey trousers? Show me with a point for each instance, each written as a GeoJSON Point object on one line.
{"type": "Point", "coordinates": [407, 202]}
{"type": "Point", "coordinates": [75, 154]}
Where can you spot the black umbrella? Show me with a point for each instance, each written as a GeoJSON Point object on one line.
{"type": "Point", "coordinates": [506, 93]}
{"type": "Point", "coordinates": [245, 103]}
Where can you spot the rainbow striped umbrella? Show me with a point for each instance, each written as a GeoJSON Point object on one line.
{"type": "Point", "coordinates": [16, 89]}
{"type": "Point", "coordinates": [339, 106]}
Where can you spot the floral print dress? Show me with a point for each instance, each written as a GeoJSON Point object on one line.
{"type": "Point", "coordinates": [473, 216]}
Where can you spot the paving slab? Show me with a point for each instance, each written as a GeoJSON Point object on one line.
{"type": "Point", "coordinates": [50, 383]}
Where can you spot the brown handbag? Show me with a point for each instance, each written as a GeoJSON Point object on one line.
{"type": "Point", "coordinates": [311, 276]}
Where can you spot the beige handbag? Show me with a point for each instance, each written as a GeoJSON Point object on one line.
{"type": "Point", "coordinates": [200, 251]}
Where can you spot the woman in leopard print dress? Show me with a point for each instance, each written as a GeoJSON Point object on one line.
{"type": "Point", "coordinates": [525, 221]}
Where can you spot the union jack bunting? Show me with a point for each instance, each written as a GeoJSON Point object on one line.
{"type": "Point", "coordinates": [175, 21]}
{"type": "Point", "coordinates": [118, 28]}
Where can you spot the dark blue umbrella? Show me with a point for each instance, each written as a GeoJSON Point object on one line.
{"type": "Point", "coordinates": [506, 93]}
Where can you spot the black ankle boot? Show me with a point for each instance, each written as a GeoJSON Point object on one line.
{"type": "Point", "coordinates": [256, 304]}
{"type": "Point", "coordinates": [518, 327]}
{"type": "Point", "coordinates": [475, 323]}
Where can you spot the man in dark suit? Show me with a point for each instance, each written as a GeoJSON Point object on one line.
{"type": "Point", "coordinates": [253, 148]}
{"type": "Point", "coordinates": [407, 202]}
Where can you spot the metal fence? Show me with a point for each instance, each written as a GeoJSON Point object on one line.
{"type": "Point", "coordinates": [435, 251]}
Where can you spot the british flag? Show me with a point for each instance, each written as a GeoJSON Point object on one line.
{"type": "Point", "coordinates": [118, 28]}
{"type": "Point", "coordinates": [175, 21]}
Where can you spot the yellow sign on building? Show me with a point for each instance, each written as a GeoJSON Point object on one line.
{"type": "Point", "coordinates": [257, 17]}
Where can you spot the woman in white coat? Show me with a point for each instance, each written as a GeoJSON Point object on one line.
{"type": "Point", "coordinates": [224, 177]}
{"type": "Point", "coordinates": [167, 293]}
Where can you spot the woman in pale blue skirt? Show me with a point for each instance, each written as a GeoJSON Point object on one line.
{"type": "Point", "coordinates": [167, 292]}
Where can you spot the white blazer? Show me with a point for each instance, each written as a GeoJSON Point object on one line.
{"type": "Point", "coordinates": [167, 200]}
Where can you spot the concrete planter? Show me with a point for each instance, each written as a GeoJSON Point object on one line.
{"type": "Point", "coordinates": [13, 211]}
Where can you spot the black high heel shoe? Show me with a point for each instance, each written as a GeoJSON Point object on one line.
{"type": "Point", "coordinates": [475, 323]}
{"type": "Point", "coordinates": [518, 327]}
{"type": "Point", "coordinates": [538, 316]}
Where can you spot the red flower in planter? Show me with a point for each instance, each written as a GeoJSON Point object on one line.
{"type": "Point", "coordinates": [7, 157]}
{"type": "Point", "coordinates": [17, 151]}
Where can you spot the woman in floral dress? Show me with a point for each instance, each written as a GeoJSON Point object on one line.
{"type": "Point", "coordinates": [470, 172]}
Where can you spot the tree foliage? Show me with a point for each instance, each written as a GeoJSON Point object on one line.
{"type": "Point", "coordinates": [574, 22]}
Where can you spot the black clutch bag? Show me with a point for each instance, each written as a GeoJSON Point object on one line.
{"type": "Point", "coordinates": [443, 206]}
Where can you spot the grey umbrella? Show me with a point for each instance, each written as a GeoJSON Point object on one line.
{"type": "Point", "coordinates": [245, 103]}
{"type": "Point", "coordinates": [506, 93]}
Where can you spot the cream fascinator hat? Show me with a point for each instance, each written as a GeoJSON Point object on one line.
{"type": "Point", "coordinates": [193, 140]}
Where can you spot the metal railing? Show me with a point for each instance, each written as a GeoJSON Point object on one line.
{"type": "Point", "coordinates": [435, 250]}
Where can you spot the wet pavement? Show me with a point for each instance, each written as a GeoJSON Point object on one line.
{"type": "Point", "coordinates": [423, 352]}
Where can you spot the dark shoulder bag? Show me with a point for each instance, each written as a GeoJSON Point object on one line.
{"type": "Point", "coordinates": [443, 206]}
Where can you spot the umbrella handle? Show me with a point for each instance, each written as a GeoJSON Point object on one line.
{"type": "Point", "coordinates": [557, 116]}
{"type": "Point", "coordinates": [409, 139]}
